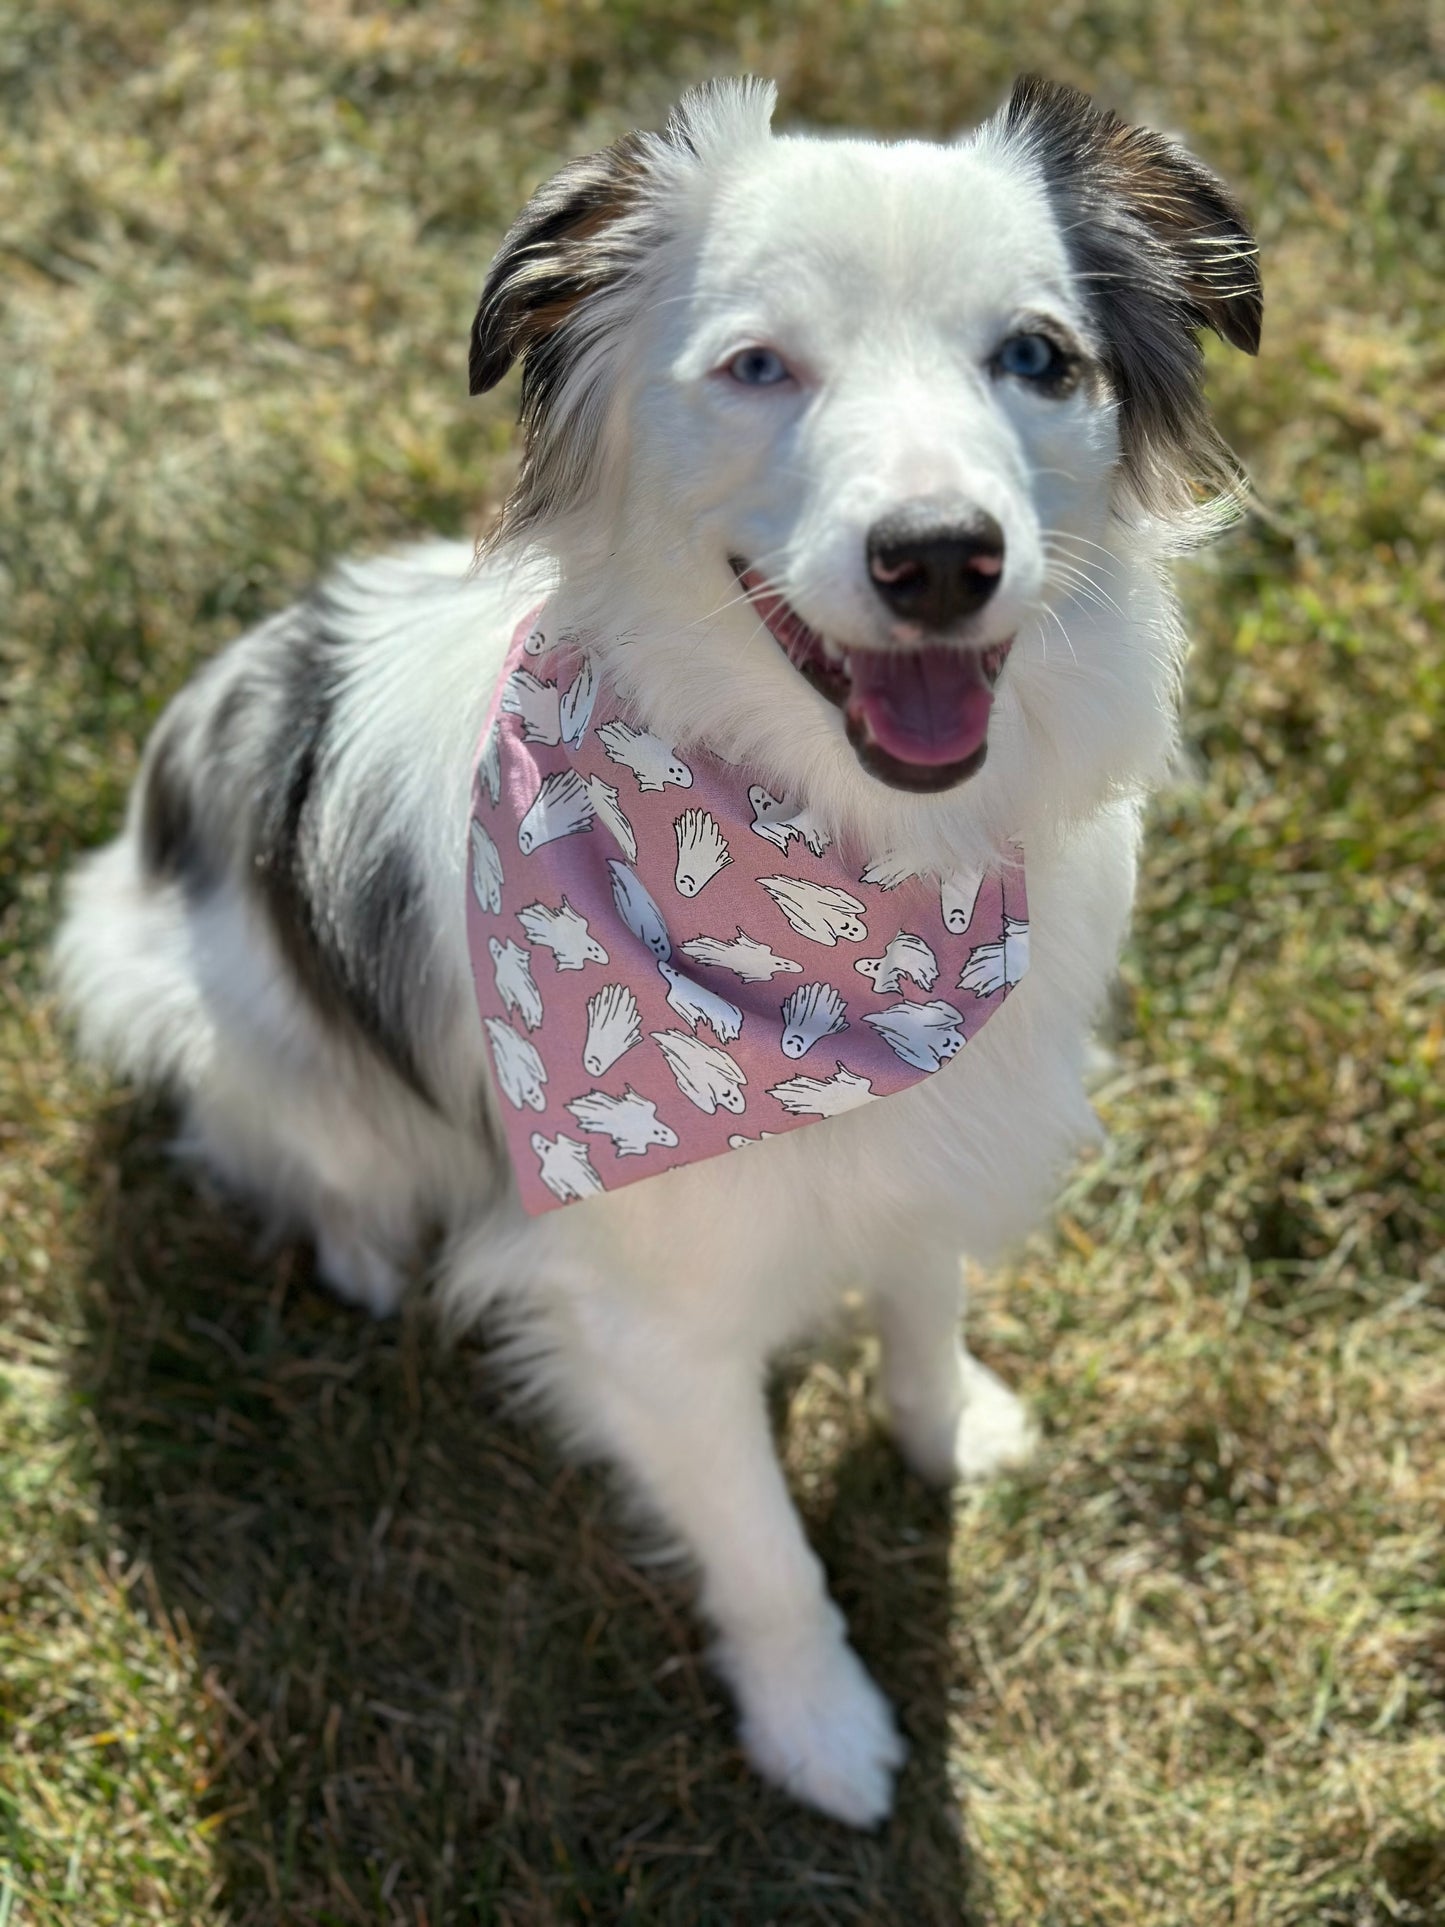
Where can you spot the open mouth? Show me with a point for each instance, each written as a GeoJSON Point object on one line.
{"type": "Point", "coordinates": [917, 718]}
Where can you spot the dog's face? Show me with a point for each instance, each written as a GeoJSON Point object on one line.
{"type": "Point", "coordinates": [862, 418]}
{"type": "Point", "coordinates": [879, 402]}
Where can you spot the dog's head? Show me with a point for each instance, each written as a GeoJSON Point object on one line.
{"type": "Point", "coordinates": [864, 437]}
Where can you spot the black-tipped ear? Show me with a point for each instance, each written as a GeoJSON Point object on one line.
{"type": "Point", "coordinates": [1159, 250]}
{"type": "Point", "coordinates": [1176, 200]}
{"type": "Point", "coordinates": [556, 252]}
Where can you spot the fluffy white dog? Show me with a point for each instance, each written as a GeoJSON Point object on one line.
{"type": "Point", "coordinates": [933, 412]}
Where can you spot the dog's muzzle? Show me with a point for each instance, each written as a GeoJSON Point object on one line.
{"type": "Point", "coordinates": [917, 717]}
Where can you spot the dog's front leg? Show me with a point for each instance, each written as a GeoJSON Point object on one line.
{"type": "Point", "coordinates": [952, 1417]}
{"type": "Point", "coordinates": [691, 1428]}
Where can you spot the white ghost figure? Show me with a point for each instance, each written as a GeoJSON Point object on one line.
{"type": "Point", "coordinates": [614, 1025]}
{"type": "Point", "coordinates": [702, 851]}
{"type": "Point", "coordinates": [886, 872]}
{"type": "Point", "coordinates": [604, 801]}
{"type": "Point", "coordinates": [695, 1006]}
{"type": "Point", "coordinates": [564, 932]}
{"type": "Point", "coordinates": [958, 899]}
{"type": "Point", "coordinates": [906, 956]}
{"type": "Point", "coordinates": [536, 642]}
{"type": "Point", "coordinates": [743, 955]}
{"type": "Point", "coordinates": [776, 818]}
{"type": "Point", "coordinates": [487, 878]}
{"type": "Point", "coordinates": [737, 1140]}
{"type": "Point", "coordinates": [924, 1035]}
{"type": "Point", "coordinates": [520, 1071]}
{"type": "Point", "coordinates": [489, 763]}
{"type": "Point", "coordinates": [565, 1167]}
{"type": "Point", "coordinates": [818, 911]}
{"type": "Point", "coordinates": [823, 1096]}
{"type": "Point", "coordinates": [638, 911]}
{"type": "Point", "coordinates": [516, 986]}
{"type": "Point", "coordinates": [652, 761]}
{"type": "Point", "coordinates": [574, 711]}
{"type": "Point", "coordinates": [537, 703]}
{"type": "Point", "coordinates": [813, 1011]}
{"type": "Point", "coordinates": [992, 965]}
{"type": "Point", "coordinates": [561, 807]}
{"type": "Point", "coordinates": [631, 1121]}
{"type": "Point", "coordinates": [705, 1074]}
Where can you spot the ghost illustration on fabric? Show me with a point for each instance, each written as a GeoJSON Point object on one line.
{"type": "Point", "coordinates": [521, 1074]}
{"type": "Point", "coordinates": [812, 1012]}
{"type": "Point", "coordinates": [711, 940]}
{"type": "Point", "coordinates": [565, 1167]}
{"type": "Point", "coordinates": [821, 912]}
{"type": "Point", "coordinates": [924, 1035]}
{"type": "Point", "coordinates": [516, 986]}
{"type": "Point", "coordinates": [562, 931]}
{"type": "Point", "coordinates": [630, 1121]}
{"type": "Point", "coordinates": [489, 766]}
{"type": "Point", "coordinates": [779, 820]}
{"type": "Point", "coordinates": [705, 1074]}
{"type": "Point", "coordinates": [638, 911]}
{"type": "Point", "coordinates": [608, 811]}
{"type": "Point", "coordinates": [823, 1096]}
{"type": "Point", "coordinates": [574, 711]}
{"type": "Point", "coordinates": [653, 762]}
{"type": "Point", "coordinates": [695, 1005]}
{"type": "Point", "coordinates": [702, 851]}
{"type": "Point", "coordinates": [487, 876]}
{"type": "Point", "coordinates": [958, 900]}
{"type": "Point", "coordinates": [906, 956]}
{"type": "Point", "coordinates": [561, 807]}
{"type": "Point", "coordinates": [994, 965]}
{"type": "Point", "coordinates": [748, 959]}
{"type": "Point", "coordinates": [614, 1025]}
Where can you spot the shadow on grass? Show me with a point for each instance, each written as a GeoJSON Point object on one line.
{"type": "Point", "coordinates": [441, 1691]}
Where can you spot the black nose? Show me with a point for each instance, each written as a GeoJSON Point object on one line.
{"type": "Point", "coordinates": [936, 560]}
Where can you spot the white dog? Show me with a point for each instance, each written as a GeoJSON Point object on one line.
{"type": "Point", "coordinates": [859, 466]}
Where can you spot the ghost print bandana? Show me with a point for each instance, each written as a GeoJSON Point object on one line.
{"type": "Point", "coordinates": [671, 963]}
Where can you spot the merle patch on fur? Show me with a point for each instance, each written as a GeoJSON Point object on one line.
{"type": "Point", "coordinates": [348, 925]}
{"type": "Point", "coordinates": [1161, 250]}
{"type": "Point", "coordinates": [172, 838]}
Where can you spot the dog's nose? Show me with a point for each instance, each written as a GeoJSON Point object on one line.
{"type": "Point", "coordinates": [936, 560]}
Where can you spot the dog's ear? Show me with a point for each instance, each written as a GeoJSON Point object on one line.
{"type": "Point", "coordinates": [1161, 250]}
{"type": "Point", "coordinates": [570, 275]}
{"type": "Point", "coordinates": [582, 230]}
{"type": "Point", "coordinates": [555, 253]}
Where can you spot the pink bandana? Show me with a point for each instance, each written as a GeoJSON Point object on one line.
{"type": "Point", "coordinates": [671, 963]}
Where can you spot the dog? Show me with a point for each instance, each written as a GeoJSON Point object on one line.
{"type": "Point", "coordinates": [850, 481]}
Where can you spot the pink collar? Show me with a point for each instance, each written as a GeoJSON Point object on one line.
{"type": "Point", "coordinates": [670, 963]}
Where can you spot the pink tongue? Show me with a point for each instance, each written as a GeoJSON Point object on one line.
{"type": "Point", "coordinates": [921, 705]}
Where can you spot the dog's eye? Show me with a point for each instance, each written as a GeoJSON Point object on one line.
{"type": "Point", "coordinates": [758, 368]}
{"type": "Point", "coordinates": [1032, 358]}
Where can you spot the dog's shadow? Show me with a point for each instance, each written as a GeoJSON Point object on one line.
{"type": "Point", "coordinates": [441, 1688]}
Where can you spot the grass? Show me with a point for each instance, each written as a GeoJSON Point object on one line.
{"type": "Point", "coordinates": [295, 1626]}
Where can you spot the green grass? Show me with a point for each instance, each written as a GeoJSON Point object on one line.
{"type": "Point", "coordinates": [295, 1625]}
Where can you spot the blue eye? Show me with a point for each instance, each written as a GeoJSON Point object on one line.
{"type": "Point", "coordinates": [758, 368]}
{"type": "Point", "coordinates": [1031, 358]}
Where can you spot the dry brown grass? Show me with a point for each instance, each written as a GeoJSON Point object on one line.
{"type": "Point", "coordinates": [294, 1627]}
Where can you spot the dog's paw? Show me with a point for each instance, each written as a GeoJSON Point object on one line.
{"type": "Point", "coordinates": [995, 1432]}
{"type": "Point", "coordinates": [991, 1433]}
{"type": "Point", "coordinates": [814, 1724]}
{"type": "Point", "coordinates": [360, 1272]}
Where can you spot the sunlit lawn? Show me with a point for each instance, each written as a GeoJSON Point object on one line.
{"type": "Point", "coordinates": [295, 1625]}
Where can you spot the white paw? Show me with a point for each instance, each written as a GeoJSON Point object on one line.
{"type": "Point", "coordinates": [995, 1431]}
{"type": "Point", "coordinates": [990, 1431]}
{"type": "Point", "coordinates": [360, 1272]}
{"type": "Point", "coordinates": [814, 1723]}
